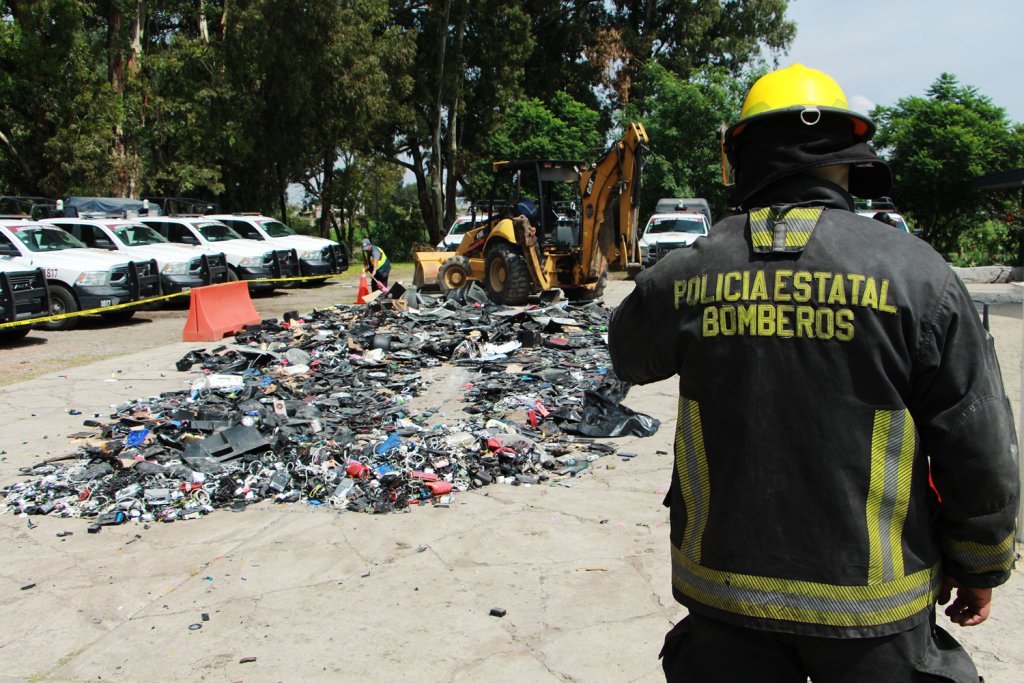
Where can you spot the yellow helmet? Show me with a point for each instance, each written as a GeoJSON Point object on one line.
{"type": "Point", "coordinates": [799, 90]}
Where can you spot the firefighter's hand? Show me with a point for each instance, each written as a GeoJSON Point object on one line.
{"type": "Point", "coordinates": [971, 605]}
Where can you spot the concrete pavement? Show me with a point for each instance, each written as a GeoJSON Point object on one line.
{"type": "Point", "coordinates": [313, 595]}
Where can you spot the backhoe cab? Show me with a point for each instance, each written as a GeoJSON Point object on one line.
{"type": "Point", "coordinates": [545, 227]}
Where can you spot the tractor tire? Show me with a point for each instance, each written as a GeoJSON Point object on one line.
{"type": "Point", "coordinates": [581, 294]}
{"type": "Point", "coordinates": [507, 276]}
{"type": "Point", "coordinates": [61, 301]}
{"type": "Point", "coordinates": [453, 274]}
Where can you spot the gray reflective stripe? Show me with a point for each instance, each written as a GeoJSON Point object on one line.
{"type": "Point", "coordinates": [692, 470]}
{"type": "Point", "coordinates": [893, 444]}
{"type": "Point", "coordinates": [979, 558]}
{"type": "Point", "coordinates": [805, 601]}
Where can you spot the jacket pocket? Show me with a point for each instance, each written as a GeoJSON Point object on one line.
{"type": "Point", "coordinates": [945, 660]}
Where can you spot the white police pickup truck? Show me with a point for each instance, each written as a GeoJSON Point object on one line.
{"type": "Point", "coordinates": [317, 256]}
{"type": "Point", "coordinates": [247, 260]}
{"type": "Point", "coordinates": [460, 226]}
{"type": "Point", "coordinates": [23, 296]}
{"type": "Point", "coordinates": [667, 231]}
{"type": "Point", "coordinates": [182, 266]}
{"type": "Point", "coordinates": [79, 278]}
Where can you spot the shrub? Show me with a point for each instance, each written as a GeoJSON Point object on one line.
{"type": "Point", "coordinates": [989, 243]}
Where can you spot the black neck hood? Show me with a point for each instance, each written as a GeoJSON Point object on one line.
{"type": "Point", "coordinates": [772, 150]}
{"type": "Point", "coordinates": [802, 190]}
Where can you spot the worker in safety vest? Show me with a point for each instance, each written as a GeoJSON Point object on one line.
{"type": "Point", "coordinates": [376, 263]}
{"type": "Point", "coordinates": [826, 362]}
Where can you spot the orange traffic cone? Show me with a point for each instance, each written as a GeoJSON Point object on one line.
{"type": "Point", "coordinates": [364, 289]}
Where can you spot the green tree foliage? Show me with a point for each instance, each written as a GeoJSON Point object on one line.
{"type": "Point", "coordinates": [188, 127]}
{"type": "Point", "coordinates": [56, 108]}
{"type": "Point", "coordinates": [936, 146]}
{"type": "Point", "coordinates": [563, 129]}
{"type": "Point", "coordinates": [682, 118]}
{"type": "Point", "coordinates": [986, 243]}
{"type": "Point", "coordinates": [307, 80]}
{"type": "Point", "coordinates": [687, 35]}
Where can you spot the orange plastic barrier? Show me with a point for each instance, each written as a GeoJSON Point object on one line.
{"type": "Point", "coordinates": [216, 311]}
{"type": "Point", "coordinates": [364, 289]}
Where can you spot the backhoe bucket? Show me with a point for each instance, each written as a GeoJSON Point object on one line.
{"type": "Point", "coordinates": [427, 264]}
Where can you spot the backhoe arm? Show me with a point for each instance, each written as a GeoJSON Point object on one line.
{"type": "Point", "coordinates": [619, 167]}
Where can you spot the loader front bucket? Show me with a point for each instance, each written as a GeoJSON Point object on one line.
{"type": "Point", "coordinates": [427, 263]}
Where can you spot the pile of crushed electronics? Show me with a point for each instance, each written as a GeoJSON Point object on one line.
{"type": "Point", "coordinates": [317, 410]}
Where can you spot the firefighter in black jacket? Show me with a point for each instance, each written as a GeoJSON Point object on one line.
{"type": "Point", "coordinates": [827, 364]}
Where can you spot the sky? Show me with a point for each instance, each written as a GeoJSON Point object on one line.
{"type": "Point", "coordinates": [880, 51]}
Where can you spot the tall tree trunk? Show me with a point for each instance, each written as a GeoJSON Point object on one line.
{"type": "Point", "coordinates": [204, 26]}
{"type": "Point", "coordinates": [326, 190]}
{"type": "Point", "coordinates": [436, 153]}
{"type": "Point", "coordinates": [115, 75]}
{"type": "Point", "coordinates": [282, 190]}
{"type": "Point", "coordinates": [135, 32]}
{"type": "Point", "coordinates": [122, 66]}
{"type": "Point", "coordinates": [423, 191]}
{"type": "Point", "coordinates": [452, 136]}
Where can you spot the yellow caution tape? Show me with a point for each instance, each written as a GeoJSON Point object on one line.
{"type": "Point", "coordinates": [164, 297]}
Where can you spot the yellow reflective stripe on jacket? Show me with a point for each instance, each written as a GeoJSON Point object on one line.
{"type": "Point", "coordinates": [786, 231]}
{"type": "Point", "coordinates": [383, 259]}
{"type": "Point", "coordinates": [979, 558]}
{"type": "Point", "coordinates": [893, 444]}
{"type": "Point", "coordinates": [765, 597]}
{"type": "Point", "coordinates": [692, 470]}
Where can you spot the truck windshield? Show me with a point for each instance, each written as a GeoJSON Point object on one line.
{"type": "Point", "coordinates": [461, 226]}
{"type": "Point", "coordinates": [47, 239]}
{"type": "Point", "coordinates": [138, 235]}
{"type": "Point", "coordinates": [217, 232]}
{"type": "Point", "coordinates": [694, 226]}
{"type": "Point", "coordinates": [276, 228]}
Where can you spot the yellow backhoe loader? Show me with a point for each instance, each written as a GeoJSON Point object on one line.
{"type": "Point", "coordinates": [545, 227]}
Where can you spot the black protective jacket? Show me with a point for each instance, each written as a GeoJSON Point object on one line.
{"type": "Point", "coordinates": [826, 362]}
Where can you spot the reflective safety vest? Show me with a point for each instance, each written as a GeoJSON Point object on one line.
{"type": "Point", "coordinates": [826, 364]}
{"type": "Point", "coordinates": [381, 262]}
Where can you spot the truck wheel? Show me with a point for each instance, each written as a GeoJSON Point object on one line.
{"type": "Point", "coordinates": [13, 334]}
{"type": "Point", "coordinates": [508, 277]}
{"type": "Point", "coordinates": [120, 315]}
{"type": "Point", "coordinates": [232, 275]}
{"type": "Point", "coordinates": [61, 301]}
{"type": "Point", "coordinates": [580, 294]}
{"type": "Point", "coordinates": [453, 274]}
